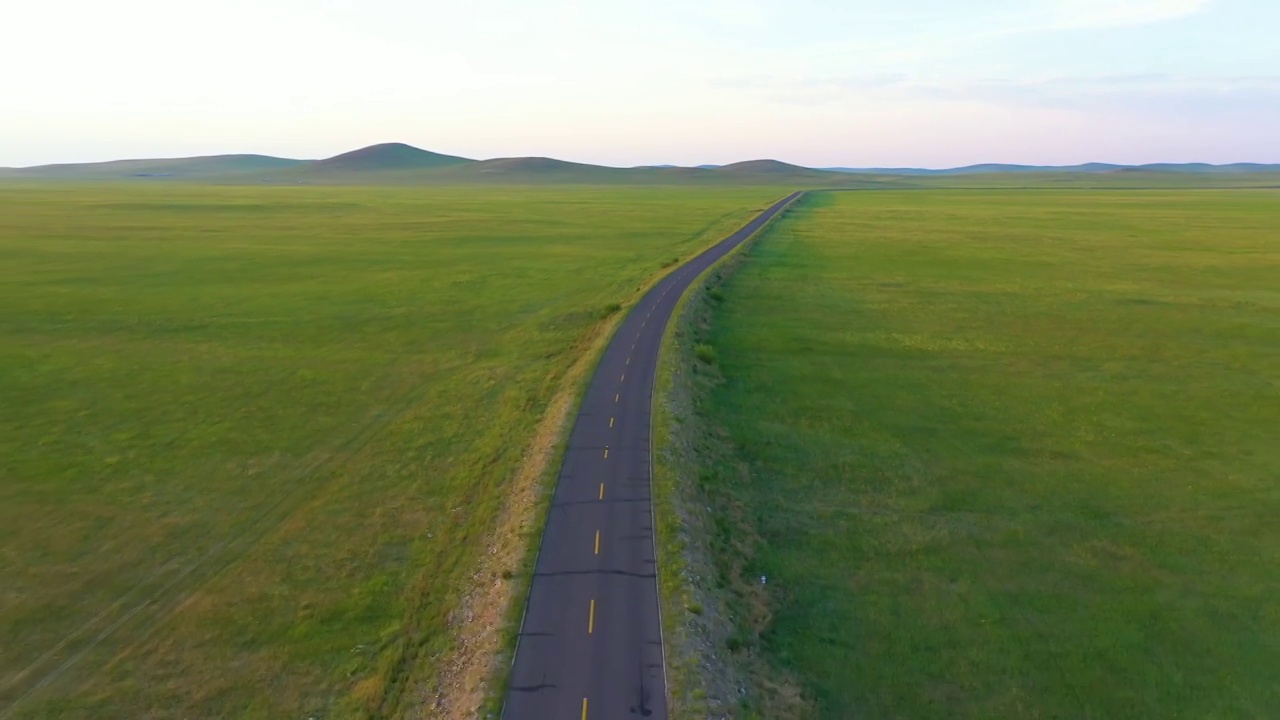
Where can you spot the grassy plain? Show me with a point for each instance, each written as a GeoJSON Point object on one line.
{"type": "Point", "coordinates": [252, 440]}
{"type": "Point", "coordinates": [1006, 454]}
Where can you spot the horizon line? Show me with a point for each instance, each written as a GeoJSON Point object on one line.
{"type": "Point", "coordinates": [833, 167]}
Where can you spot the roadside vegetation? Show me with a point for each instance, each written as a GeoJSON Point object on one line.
{"type": "Point", "coordinates": [254, 441]}
{"type": "Point", "coordinates": [995, 454]}
{"type": "Point", "coordinates": [706, 611]}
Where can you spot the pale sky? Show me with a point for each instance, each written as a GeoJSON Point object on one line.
{"type": "Point", "coordinates": [930, 83]}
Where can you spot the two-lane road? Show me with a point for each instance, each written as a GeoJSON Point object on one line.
{"type": "Point", "coordinates": [591, 642]}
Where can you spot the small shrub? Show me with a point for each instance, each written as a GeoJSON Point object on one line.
{"type": "Point", "coordinates": [610, 309]}
{"type": "Point", "coordinates": [705, 353]}
{"type": "Point", "coordinates": [716, 294]}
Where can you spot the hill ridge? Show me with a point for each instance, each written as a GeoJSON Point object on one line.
{"type": "Point", "coordinates": [195, 166]}
{"type": "Point", "coordinates": [763, 166]}
{"type": "Point", "coordinates": [401, 163]}
{"type": "Point", "coordinates": [388, 156]}
{"type": "Point", "coordinates": [1091, 167]}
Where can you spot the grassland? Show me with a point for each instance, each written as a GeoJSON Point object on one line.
{"type": "Point", "coordinates": [252, 440]}
{"type": "Point", "coordinates": [1002, 454]}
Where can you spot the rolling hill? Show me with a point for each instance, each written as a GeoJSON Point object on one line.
{"type": "Point", "coordinates": [764, 170]}
{"type": "Point", "coordinates": [1207, 168]}
{"type": "Point", "coordinates": [404, 165]}
{"type": "Point", "coordinates": [183, 168]}
{"type": "Point", "coordinates": [387, 156]}
{"type": "Point", "coordinates": [401, 164]}
{"type": "Point", "coordinates": [1094, 167]}
{"type": "Point", "coordinates": [521, 167]}
{"type": "Point", "coordinates": [986, 168]}
{"type": "Point", "coordinates": [762, 167]}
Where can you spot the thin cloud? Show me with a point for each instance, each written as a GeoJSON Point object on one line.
{"type": "Point", "coordinates": [948, 38]}
{"type": "Point", "coordinates": [733, 13]}
{"type": "Point", "coordinates": [1204, 95]}
{"type": "Point", "coordinates": [1098, 14]}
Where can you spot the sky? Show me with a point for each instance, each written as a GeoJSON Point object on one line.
{"type": "Point", "coordinates": [859, 83]}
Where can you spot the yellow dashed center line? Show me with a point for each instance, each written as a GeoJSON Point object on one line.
{"type": "Point", "coordinates": [616, 396]}
{"type": "Point", "coordinates": [623, 378]}
{"type": "Point", "coordinates": [601, 491]}
{"type": "Point", "coordinates": [606, 453]}
{"type": "Point", "coordinates": [597, 542]}
{"type": "Point", "coordinates": [610, 422]}
{"type": "Point", "coordinates": [591, 618]}
{"type": "Point", "coordinates": [584, 709]}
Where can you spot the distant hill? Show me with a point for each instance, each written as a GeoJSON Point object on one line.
{"type": "Point", "coordinates": [530, 170]}
{"type": "Point", "coordinates": [535, 166]}
{"type": "Point", "coordinates": [185, 168]}
{"type": "Point", "coordinates": [1206, 168]}
{"type": "Point", "coordinates": [991, 168]}
{"type": "Point", "coordinates": [760, 167]}
{"type": "Point", "coordinates": [387, 156]}
{"type": "Point", "coordinates": [401, 164]}
{"type": "Point", "coordinates": [778, 171]}
{"type": "Point", "coordinates": [982, 169]}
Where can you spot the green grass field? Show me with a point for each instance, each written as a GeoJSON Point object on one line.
{"type": "Point", "coordinates": [1010, 454]}
{"type": "Point", "coordinates": [252, 440]}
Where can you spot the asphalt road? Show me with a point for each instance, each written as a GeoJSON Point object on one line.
{"type": "Point", "coordinates": [590, 645]}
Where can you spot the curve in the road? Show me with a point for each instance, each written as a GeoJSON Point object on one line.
{"type": "Point", "coordinates": [590, 644]}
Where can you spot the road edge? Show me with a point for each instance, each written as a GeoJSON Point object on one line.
{"type": "Point", "coordinates": [686, 697]}
{"type": "Point", "coordinates": [521, 524]}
